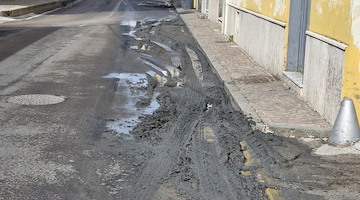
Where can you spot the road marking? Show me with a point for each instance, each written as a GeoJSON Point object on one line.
{"type": "Point", "coordinates": [273, 194]}
{"type": "Point", "coordinates": [246, 173]}
{"type": "Point", "coordinates": [209, 134]}
{"type": "Point", "coordinates": [249, 160]}
{"type": "Point", "coordinates": [246, 153]}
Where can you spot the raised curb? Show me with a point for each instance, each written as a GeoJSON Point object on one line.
{"type": "Point", "coordinates": [237, 99]}
{"type": "Point", "coordinates": [40, 8]}
{"type": "Point", "coordinates": [240, 103]}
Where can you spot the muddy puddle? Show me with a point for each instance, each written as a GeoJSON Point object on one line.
{"type": "Point", "coordinates": [141, 98]}
{"type": "Point", "coordinates": [139, 102]}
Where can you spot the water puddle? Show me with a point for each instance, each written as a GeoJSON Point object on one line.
{"type": "Point", "coordinates": [133, 80]}
{"type": "Point", "coordinates": [134, 47]}
{"type": "Point", "coordinates": [131, 34]}
{"type": "Point", "coordinates": [129, 22]}
{"type": "Point", "coordinates": [138, 102]}
{"type": "Point", "coordinates": [132, 24]}
{"type": "Point", "coordinates": [151, 73]}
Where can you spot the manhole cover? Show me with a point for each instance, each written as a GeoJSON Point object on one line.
{"type": "Point", "coordinates": [36, 99]}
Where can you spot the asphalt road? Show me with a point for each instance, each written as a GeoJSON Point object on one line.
{"type": "Point", "coordinates": [59, 151]}
{"type": "Point", "coordinates": [114, 100]}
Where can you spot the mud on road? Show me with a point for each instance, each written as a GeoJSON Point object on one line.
{"type": "Point", "coordinates": [188, 148]}
{"type": "Point", "coordinates": [194, 145]}
{"type": "Point", "coordinates": [144, 117]}
{"type": "Point", "coordinates": [189, 145]}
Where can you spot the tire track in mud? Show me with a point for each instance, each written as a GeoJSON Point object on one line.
{"type": "Point", "coordinates": [160, 165]}
{"type": "Point", "coordinates": [209, 163]}
{"type": "Point", "coordinates": [188, 105]}
{"type": "Point", "coordinates": [183, 155]}
{"type": "Point", "coordinates": [193, 151]}
{"type": "Point", "coordinates": [196, 146]}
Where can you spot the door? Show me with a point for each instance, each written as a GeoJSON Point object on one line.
{"type": "Point", "coordinates": [207, 6]}
{"type": "Point", "coordinates": [298, 24]}
{"type": "Point", "coordinates": [220, 10]}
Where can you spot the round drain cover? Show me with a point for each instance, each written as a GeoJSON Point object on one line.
{"type": "Point", "coordinates": [36, 99]}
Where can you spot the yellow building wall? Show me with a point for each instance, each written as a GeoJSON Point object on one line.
{"type": "Point", "coordinates": [351, 84]}
{"type": "Point", "coordinates": [276, 9]}
{"type": "Point", "coordinates": [195, 4]}
{"type": "Point", "coordinates": [340, 20]}
{"type": "Point", "coordinates": [331, 18]}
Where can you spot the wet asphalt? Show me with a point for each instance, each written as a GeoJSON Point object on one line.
{"type": "Point", "coordinates": [143, 116]}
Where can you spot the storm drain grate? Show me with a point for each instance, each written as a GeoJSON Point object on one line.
{"type": "Point", "coordinates": [36, 99]}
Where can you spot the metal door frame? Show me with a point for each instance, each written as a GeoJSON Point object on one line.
{"type": "Point", "coordinates": [298, 24]}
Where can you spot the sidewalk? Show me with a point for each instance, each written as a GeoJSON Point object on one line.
{"type": "Point", "coordinates": [254, 91]}
{"type": "Point", "coordinates": [14, 8]}
{"type": "Point", "coordinates": [17, 4]}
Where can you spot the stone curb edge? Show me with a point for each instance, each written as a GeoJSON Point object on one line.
{"type": "Point", "coordinates": [240, 103]}
{"type": "Point", "coordinates": [40, 8]}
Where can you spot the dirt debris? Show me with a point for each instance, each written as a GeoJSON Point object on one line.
{"type": "Point", "coordinates": [194, 166]}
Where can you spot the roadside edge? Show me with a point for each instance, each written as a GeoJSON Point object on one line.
{"type": "Point", "coordinates": [37, 9]}
{"type": "Point", "coordinates": [240, 103]}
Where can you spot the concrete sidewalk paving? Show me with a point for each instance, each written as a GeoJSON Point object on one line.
{"type": "Point", "coordinates": [14, 8]}
{"type": "Point", "coordinates": [254, 91]}
{"type": "Point", "coordinates": [17, 4]}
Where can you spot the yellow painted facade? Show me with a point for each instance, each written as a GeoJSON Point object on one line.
{"type": "Point", "coordinates": [276, 9]}
{"type": "Point", "coordinates": [351, 82]}
{"type": "Point", "coordinates": [195, 4]}
{"type": "Point", "coordinates": [335, 19]}
{"type": "Point", "coordinates": [331, 19]}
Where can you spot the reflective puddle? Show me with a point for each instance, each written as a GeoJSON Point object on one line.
{"type": "Point", "coordinates": [132, 24]}
{"type": "Point", "coordinates": [138, 102]}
